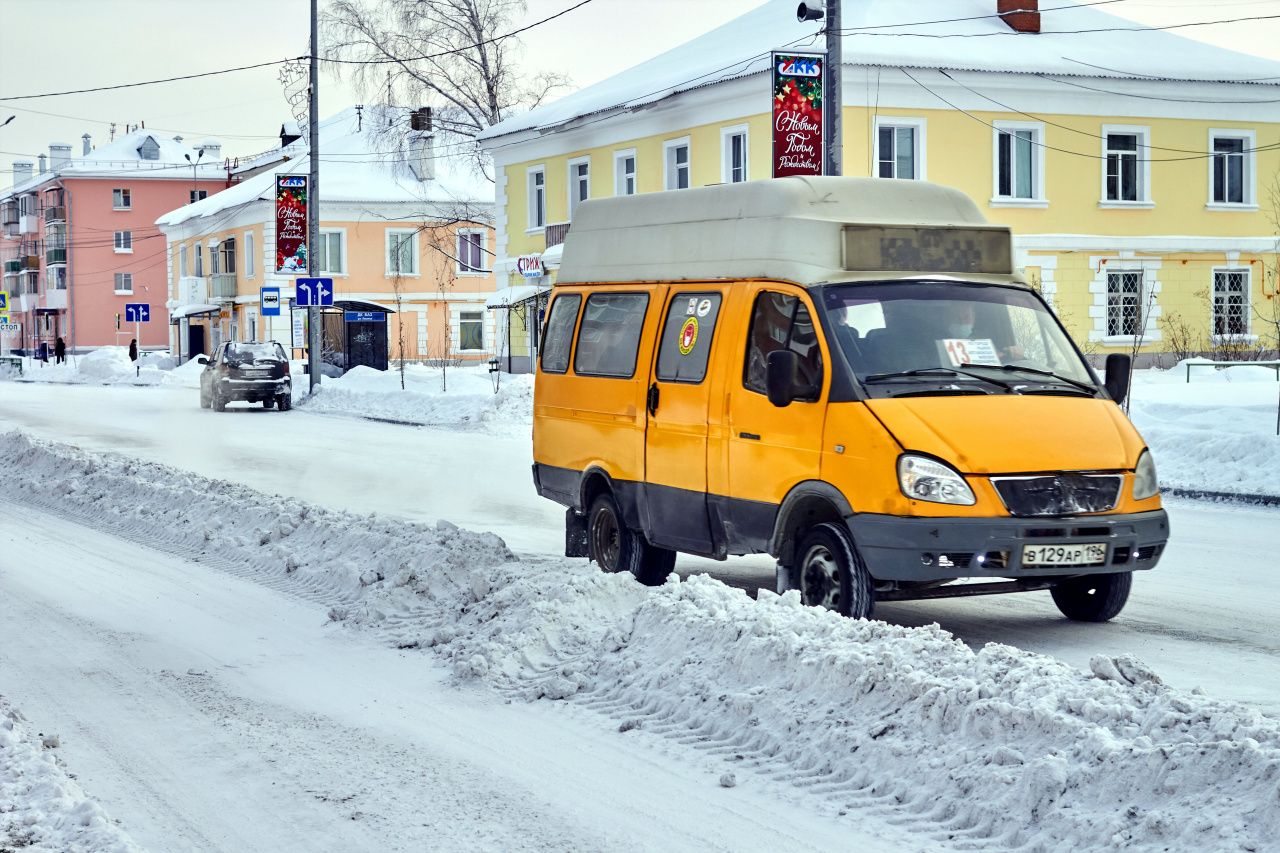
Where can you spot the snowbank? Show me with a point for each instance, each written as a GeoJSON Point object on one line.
{"type": "Point", "coordinates": [1216, 433]}
{"type": "Point", "coordinates": [41, 807]}
{"type": "Point", "coordinates": [997, 745]}
{"type": "Point", "coordinates": [469, 402]}
{"type": "Point", "coordinates": [105, 366]}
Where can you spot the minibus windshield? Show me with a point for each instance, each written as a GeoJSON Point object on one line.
{"type": "Point", "coordinates": [967, 338]}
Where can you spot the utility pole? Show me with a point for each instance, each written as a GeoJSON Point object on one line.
{"type": "Point", "coordinates": [832, 98]}
{"type": "Point", "coordinates": [314, 332]}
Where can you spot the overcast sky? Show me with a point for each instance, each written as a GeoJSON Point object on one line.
{"type": "Point", "coordinates": [54, 45]}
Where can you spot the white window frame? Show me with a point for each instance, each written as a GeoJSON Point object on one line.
{"type": "Point", "coordinates": [118, 280]}
{"type": "Point", "coordinates": [620, 175]}
{"type": "Point", "coordinates": [123, 242]}
{"type": "Point", "coordinates": [1037, 164]}
{"type": "Point", "coordinates": [195, 195]}
{"type": "Point", "coordinates": [485, 334]}
{"type": "Point", "coordinates": [251, 323]}
{"type": "Point", "coordinates": [1247, 337]}
{"type": "Point", "coordinates": [1144, 165]}
{"type": "Point", "coordinates": [199, 266]}
{"type": "Point", "coordinates": [341, 234]}
{"type": "Point", "coordinates": [670, 180]}
{"type": "Point", "coordinates": [573, 180]}
{"type": "Point", "coordinates": [532, 200]}
{"type": "Point", "coordinates": [126, 198]}
{"type": "Point", "coordinates": [921, 127]}
{"type": "Point", "coordinates": [182, 261]}
{"type": "Point", "coordinates": [727, 135]}
{"type": "Point", "coordinates": [250, 262]}
{"type": "Point", "coordinates": [386, 253]}
{"type": "Point", "coordinates": [484, 250]}
{"type": "Point", "coordinates": [1250, 138]}
{"type": "Point", "coordinates": [423, 326]}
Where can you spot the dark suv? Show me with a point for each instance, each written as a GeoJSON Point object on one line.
{"type": "Point", "coordinates": [251, 371]}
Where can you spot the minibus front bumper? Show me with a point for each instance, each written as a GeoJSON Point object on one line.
{"type": "Point", "coordinates": [925, 549]}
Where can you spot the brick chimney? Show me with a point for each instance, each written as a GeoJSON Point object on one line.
{"type": "Point", "coordinates": [1020, 15]}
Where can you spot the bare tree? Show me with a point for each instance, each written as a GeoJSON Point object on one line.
{"type": "Point", "coordinates": [453, 55]}
{"type": "Point", "coordinates": [1181, 341]}
{"type": "Point", "coordinates": [397, 291]}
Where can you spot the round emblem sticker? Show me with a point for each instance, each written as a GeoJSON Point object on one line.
{"type": "Point", "coordinates": [704, 307]}
{"type": "Point", "coordinates": [688, 335]}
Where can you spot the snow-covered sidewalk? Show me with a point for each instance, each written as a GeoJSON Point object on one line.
{"type": "Point", "coordinates": [41, 807]}
{"type": "Point", "coordinates": [969, 746]}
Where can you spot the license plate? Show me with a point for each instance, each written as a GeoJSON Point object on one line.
{"type": "Point", "coordinates": [1087, 554]}
{"type": "Point", "coordinates": [255, 374]}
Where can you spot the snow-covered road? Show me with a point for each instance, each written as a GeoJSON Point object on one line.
{"type": "Point", "coordinates": [1204, 618]}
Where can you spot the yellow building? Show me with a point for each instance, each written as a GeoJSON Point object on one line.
{"type": "Point", "coordinates": [410, 235]}
{"type": "Point", "coordinates": [1135, 168]}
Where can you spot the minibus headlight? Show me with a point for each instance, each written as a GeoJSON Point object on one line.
{"type": "Point", "coordinates": [1145, 483]}
{"type": "Point", "coordinates": [925, 479]}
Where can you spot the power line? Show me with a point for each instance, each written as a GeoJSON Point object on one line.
{"type": "Point", "coordinates": [868, 27]}
{"type": "Point", "coordinates": [1168, 98]}
{"type": "Point", "coordinates": [1088, 31]}
{"type": "Point", "coordinates": [152, 82]}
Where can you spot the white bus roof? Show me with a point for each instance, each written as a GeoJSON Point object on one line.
{"type": "Point", "coordinates": [787, 229]}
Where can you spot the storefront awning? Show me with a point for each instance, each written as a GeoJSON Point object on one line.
{"type": "Point", "coordinates": [361, 305]}
{"type": "Point", "coordinates": [192, 310]}
{"type": "Point", "coordinates": [516, 295]}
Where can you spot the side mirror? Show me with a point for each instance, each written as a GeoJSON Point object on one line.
{"type": "Point", "coordinates": [780, 377]}
{"type": "Point", "coordinates": [1117, 376]}
{"type": "Point", "coordinates": [202, 360]}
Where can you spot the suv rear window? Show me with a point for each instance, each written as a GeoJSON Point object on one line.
{"type": "Point", "coordinates": [243, 353]}
{"type": "Point", "coordinates": [609, 334]}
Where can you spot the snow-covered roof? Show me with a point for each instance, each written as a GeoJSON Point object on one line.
{"type": "Point", "coordinates": [515, 295]}
{"type": "Point", "coordinates": [358, 163]}
{"type": "Point", "coordinates": [890, 33]}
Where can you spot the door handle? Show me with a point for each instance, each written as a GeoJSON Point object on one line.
{"type": "Point", "coordinates": [751, 436]}
{"type": "Point", "coordinates": [651, 400]}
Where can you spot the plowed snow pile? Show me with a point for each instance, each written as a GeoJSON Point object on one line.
{"type": "Point", "coordinates": [41, 807]}
{"type": "Point", "coordinates": [997, 747]}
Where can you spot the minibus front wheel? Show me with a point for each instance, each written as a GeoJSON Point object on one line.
{"type": "Point", "coordinates": [832, 575]}
{"type": "Point", "coordinates": [1093, 598]}
{"type": "Point", "coordinates": [616, 548]}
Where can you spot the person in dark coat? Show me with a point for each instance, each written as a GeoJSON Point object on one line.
{"type": "Point", "coordinates": [133, 350]}
{"type": "Point", "coordinates": [60, 350]}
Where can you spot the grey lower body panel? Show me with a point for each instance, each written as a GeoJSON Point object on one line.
{"type": "Point", "coordinates": [930, 549]}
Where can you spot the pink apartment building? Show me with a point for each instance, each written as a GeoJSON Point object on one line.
{"type": "Point", "coordinates": [79, 240]}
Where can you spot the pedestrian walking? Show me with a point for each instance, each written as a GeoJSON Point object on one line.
{"type": "Point", "coordinates": [60, 351]}
{"type": "Point", "coordinates": [133, 349]}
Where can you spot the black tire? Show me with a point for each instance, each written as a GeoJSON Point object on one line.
{"type": "Point", "coordinates": [616, 548]}
{"type": "Point", "coordinates": [1093, 598]}
{"type": "Point", "coordinates": [219, 404]}
{"type": "Point", "coordinates": [284, 402]}
{"type": "Point", "coordinates": [832, 574]}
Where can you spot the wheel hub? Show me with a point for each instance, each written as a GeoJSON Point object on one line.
{"type": "Point", "coordinates": [820, 579]}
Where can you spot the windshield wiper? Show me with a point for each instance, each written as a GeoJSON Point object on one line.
{"type": "Point", "coordinates": [1083, 386]}
{"type": "Point", "coordinates": [937, 371]}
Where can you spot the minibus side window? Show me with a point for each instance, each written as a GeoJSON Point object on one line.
{"type": "Point", "coordinates": [609, 334]}
{"type": "Point", "coordinates": [559, 334]}
{"type": "Point", "coordinates": [685, 344]}
{"type": "Point", "coordinates": [780, 321]}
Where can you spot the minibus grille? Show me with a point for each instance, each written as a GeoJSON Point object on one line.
{"type": "Point", "coordinates": [1059, 494]}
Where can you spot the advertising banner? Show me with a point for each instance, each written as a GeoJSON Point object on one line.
{"type": "Point", "coordinates": [291, 224]}
{"type": "Point", "coordinates": [797, 114]}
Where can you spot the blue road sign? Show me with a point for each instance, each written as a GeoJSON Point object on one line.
{"type": "Point", "coordinates": [270, 302]}
{"type": "Point", "coordinates": [314, 291]}
{"type": "Point", "coordinates": [137, 312]}
{"type": "Point", "coordinates": [4, 302]}
{"type": "Point", "coordinates": [364, 316]}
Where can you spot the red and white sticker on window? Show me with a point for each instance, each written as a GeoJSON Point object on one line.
{"type": "Point", "coordinates": [970, 351]}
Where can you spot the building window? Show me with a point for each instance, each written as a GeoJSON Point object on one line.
{"type": "Point", "coordinates": [676, 165]}
{"type": "Point", "coordinates": [251, 323]}
{"type": "Point", "coordinates": [149, 149]}
{"type": "Point", "coordinates": [56, 278]}
{"type": "Point", "coordinates": [898, 151]}
{"type": "Point", "coordinates": [248, 255]}
{"type": "Point", "coordinates": [1230, 303]}
{"type": "Point", "coordinates": [1126, 177]}
{"type": "Point", "coordinates": [199, 260]}
{"type": "Point", "coordinates": [624, 172]}
{"type": "Point", "coordinates": [579, 183]}
{"type": "Point", "coordinates": [330, 254]}
{"type": "Point", "coordinates": [1019, 162]}
{"type": "Point", "coordinates": [124, 283]}
{"type": "Point", "coordinates": [182, 261]}
{"type": "Point", "coordinates": [197, 195]}
{"type": "Point", "coordinates": [1124, 303]}
{"type": "Point", "coordinates": [402, 253]}
{"type": "Point", "coordinates": [734, 154]}
{"type": "Point", "coordinates": [537, 198]}
{"type": "Point", "coordinates": [124, 241]}
{"type": "Point", "coordinates": [1231, 168]}
{"type": "Point", "coordinates": [227, 251]}
{"type": "Point", "coordinates": [214, 267]}
{"type": "Point", "coordinates": [471, 252]}
{"type": "Point", "coordinates": [470, 330]}
{"type": "Point", "coordinates": [121, 200]}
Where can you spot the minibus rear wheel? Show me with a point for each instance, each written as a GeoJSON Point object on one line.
{"type": "Point", "coordinates": [1093, 598]}
{"type": "Point", "coordinates": [832, 575]}
{"type": "Point", "coordinates": [616, 548]}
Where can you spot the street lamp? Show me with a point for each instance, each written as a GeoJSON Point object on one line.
{"type": "Point", "coordinates": [194, 190]}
